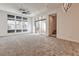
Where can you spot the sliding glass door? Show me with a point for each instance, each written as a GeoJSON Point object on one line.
{"type": "Point", "coordinates": [40, 26]}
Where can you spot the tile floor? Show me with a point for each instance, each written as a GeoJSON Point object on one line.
{"type": "Point", "coordinates": [36, 45]}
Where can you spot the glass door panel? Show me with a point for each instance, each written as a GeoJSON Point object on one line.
{"type": "Point", "coordinates": [40, 26]}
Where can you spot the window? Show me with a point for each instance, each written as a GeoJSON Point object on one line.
{"type": "Point", "coordinates": [11, 24]}
{"type": "Point", "coordinates": [17, 24]}
{"type": "Point", "coordinates": [40, 26]}
{"type": "Point", "coordinates": [11, 16]}
{"type": "Point", "coordinates": [25, 25]}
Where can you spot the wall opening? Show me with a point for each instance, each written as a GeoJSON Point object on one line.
{"type": "Point", "coordinates": [52, 25]}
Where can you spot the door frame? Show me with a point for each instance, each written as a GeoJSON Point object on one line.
{"type": "Point", "coordinates": [49, 29]}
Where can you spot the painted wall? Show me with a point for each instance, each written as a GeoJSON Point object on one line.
{"type": "Point", "coordinates": [3, 23]}
{"type": "Point", "coordinates": [68, 24]}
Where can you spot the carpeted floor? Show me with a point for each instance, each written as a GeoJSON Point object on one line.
{"type": "Point", "coordinates": [36, 45]}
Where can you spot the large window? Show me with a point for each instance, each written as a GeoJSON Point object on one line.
{"type": "Point", "coordinates": [17, 24]}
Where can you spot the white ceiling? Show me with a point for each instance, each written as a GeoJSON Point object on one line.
{"type": "Point", "coordinates": [34, 8]}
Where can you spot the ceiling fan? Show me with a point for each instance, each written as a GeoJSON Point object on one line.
{"type": "Point", "coordinates": [23, 11]}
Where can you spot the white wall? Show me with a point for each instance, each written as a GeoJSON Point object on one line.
{"type": "Point", "coordinates": [3, 23]}
{"type": "Point", "coordinates": [68, 24]}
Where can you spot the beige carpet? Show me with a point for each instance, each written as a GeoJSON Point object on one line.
{"type": "Point", "coordinates": [36, 45]}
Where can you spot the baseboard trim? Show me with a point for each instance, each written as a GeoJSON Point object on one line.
{"type": "Point", "coordinates": [74, 41]}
